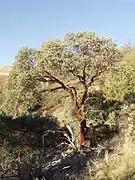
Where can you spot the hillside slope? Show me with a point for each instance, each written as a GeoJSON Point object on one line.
{"type": "Point", "coordinates": [4, 70]}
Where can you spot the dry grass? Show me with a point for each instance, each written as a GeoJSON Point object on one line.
{"type": "Point", "coordinates": [117, 166]}
{"type": "Point", "coordinates": [4, 70]}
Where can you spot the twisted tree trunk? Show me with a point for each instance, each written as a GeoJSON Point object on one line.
{"type": "Point", "coordinates": [83, 118]}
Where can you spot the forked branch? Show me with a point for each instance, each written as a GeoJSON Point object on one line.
{"type": "Point", "coordinates": [68, 89]}
{"type": "Point", "coordinates": [94, 77]}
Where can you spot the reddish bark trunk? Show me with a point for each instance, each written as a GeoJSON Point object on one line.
{"type": "Point", "coordinates": [83, 103]}
{"type": "Point", "coordinates": [75, 104]}
{"type": "Point", "coordinates": [83, 122]}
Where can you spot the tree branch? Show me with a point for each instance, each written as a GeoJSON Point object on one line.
{"type": "Point", "coordinates": [56, 80]}
{"type": "Point", "coordinates": [84, 75]}
{"type": "Point", "coordinates": [84, 95]}
{"type": "Point", "coordinates": [75, 92]}
{"type": "Point", "coordinates": [94, 77]}
{"type": "Point", "coordinates": [78, 76]}
{"type": "Point", "coordinates": [68, 89]}
{"type": "Point", "coordinates": [75, 103]}
{"type": "Point", "coordinates": [51, 89]}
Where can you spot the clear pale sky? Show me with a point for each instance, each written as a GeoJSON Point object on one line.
{"type": "Point", "coordinates": [30, 22]}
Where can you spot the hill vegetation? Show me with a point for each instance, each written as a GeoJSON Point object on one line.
{"type": "Point", "coordinates": [46, 95]}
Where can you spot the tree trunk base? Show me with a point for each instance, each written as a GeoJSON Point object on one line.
{"type": "Point", "coordinates": [85, 147]}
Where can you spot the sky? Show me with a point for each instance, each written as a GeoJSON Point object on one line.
{"type": "Point", "coordinates": [31, 22]}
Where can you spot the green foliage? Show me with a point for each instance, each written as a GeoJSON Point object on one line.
{"type": "Point", "coordinates": [117, 85]}
{"type": "Point", "coordinates": [101, 110]}
{"type": "Point", "coordinates": [63, 59]}
{"type": "Point", "coordinates": [79, 57]}
{"type": "Point", "coordinates": [22, 91]}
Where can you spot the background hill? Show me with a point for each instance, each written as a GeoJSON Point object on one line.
{"type": "Point", "coordinates": [4, 70]}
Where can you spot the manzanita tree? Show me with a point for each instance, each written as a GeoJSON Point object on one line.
{"type": "Point", "coordinates": [77, 60]}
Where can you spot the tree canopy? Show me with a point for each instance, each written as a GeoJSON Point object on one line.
{"type": "Point", "coordinates": [79, 54]}
{"type": "Point", "coordinates": [78, 58]}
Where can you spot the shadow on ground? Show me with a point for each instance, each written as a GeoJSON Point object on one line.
{"type": "Point", "coordinates": [29, 131]}
{"type": "Point", "coordinates": [27, 156]}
